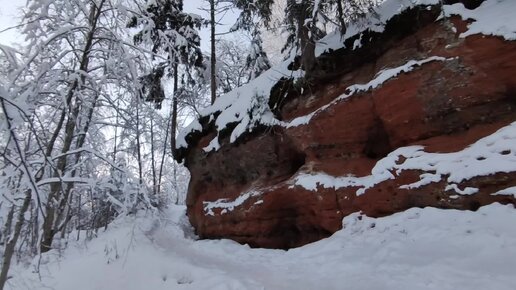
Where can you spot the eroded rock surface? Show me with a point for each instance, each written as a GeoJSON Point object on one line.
{"type": "Point", "coordinates": [248, 190]}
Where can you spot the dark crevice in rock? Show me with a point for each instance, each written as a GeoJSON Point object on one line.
{"type": "Point", "coordinates": [378, 144]}
{"type": "Point", "coordinates": [474, 205]}
{"type": "Point", "coordinates": [281, 93]}
{"type": "Point", "coordinates": [469, 4]}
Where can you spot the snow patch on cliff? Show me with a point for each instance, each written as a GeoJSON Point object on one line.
{"type": "Point", "coordinates": [246, 106]}
{"type": "Point", "coordinates": [226, 205]}
{"type": "Point", "coordinates": [380, 78]}
{"type": "Point", "coordinates": [493, 154]}
{"type": "Point", "coordinates": [507, 191]}
{"type": "Point", "coordinates": [492, 17]}
{"type": "Point", "coordinates": [375, 22]}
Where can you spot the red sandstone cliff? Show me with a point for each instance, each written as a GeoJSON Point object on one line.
{"type": "Point", "coordinates": [283, 186]}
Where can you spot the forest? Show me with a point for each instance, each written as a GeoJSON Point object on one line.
{"type": "Point", "coordinates": [84, 133]}
{"type": "Point", "coordinates": [116, 109]}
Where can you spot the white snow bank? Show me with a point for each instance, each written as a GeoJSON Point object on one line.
{"type": "Point", "coordinates": [493, 17]}
{"type": "Point", "coordinates": [493, 154]}
{"type": "Point", "coordinates": [420, 249]}
{"type": "Point", "coordinates": [312, 181]}
{"type": "Point", "coordinates": [247, 106]}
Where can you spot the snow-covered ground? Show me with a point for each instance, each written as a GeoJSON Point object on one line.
{"type": "Point", "coordinates": [417, 249]}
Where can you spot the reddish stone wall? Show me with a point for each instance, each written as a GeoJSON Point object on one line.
{"type": "Point", "coordinates": [444, 106]}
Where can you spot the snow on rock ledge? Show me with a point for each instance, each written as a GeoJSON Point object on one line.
{"type": "Point", "coordinates": [490, 155]}
{"type": "Point", "coordinates": [247, 106]}
{"type": "Point", "coordinates": [417, 115]}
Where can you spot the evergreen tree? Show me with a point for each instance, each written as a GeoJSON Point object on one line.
{"type": "Point", "coordinates": [257, 61]}
{"type": "Point", "coordinates": [249, 11]}
{"type": "Point", "coordinates": [305, 20]}
{"type": "Point", "coordinates": [253, 15]}
{"type": "Point", "coordinates": [172, 32]}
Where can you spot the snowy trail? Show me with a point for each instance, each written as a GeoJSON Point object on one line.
{"type": "Point", "coordinates": [417, 249]}
{"type": "Point", "coordinates": [208, 260]}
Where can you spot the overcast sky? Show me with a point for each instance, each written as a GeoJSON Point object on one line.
{"type": "Point", "coordinates": [7, 19]}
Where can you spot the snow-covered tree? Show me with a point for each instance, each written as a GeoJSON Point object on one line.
{"type": "Point", "coordinates": [306, 22]}
{"type": "Point", "coordinates": [70, 103]}
{"type": "Point", "coordinates": [173, 33]}
{"type": "Point", "coordinates": [257, 60]}
{"type": "Point", "coordinates": [238, 62]}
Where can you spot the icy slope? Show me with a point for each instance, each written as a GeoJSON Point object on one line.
{"type": "Point", "coordinates": [417, 249]}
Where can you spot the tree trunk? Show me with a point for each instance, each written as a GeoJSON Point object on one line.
{"type": "Point", "coordinates": [340, 11]}
{"type": "Point", "coordinates": [164, 153]}
{"type": "Point", "coordinates": [153, 160]}
{"type": "Point", "coordinates": [64, 207]}
{"type": "Point", "coordinates": [306, 41]}
{"type": "Point", "coordinates": [213, 58]}
{"type": "Point", "coordinates": [11, 244]}
{"type": "Point", "coordinates": [308, 60]}
{"type": "Point", "coordinates": [138, 145]}
{"type": "Point", "coordinates": [56, 195]}
{"type": "Point", "coordinates": [174, 113]}
{"type": "Point", "coordinates": [6, 233]}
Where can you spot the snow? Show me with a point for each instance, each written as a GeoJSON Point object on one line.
{"type": "Point", "coordinates": [227, 205]}
{"type": "Point", "coordinates": [489, 155]}
{"type": "Point", "coordinates": [373, 22]}
{"type": "Point", "coordinates": [312, 181]}
{"type": "Point", "coordinates": [507, 191]}
{"type": "Point", "coordinates": [492, 17]}
{"type": "Point", "coordinates": [465, 191]}
{"type": "Point", "coordinates": [214, 145]}
{"type": "Point", "coordinates": [247, 106]}
{"type": "Point", "coordinates": [387, 74]}
{"type": "Point", "coordinates": [380, 78]}
{"type": "Point", "coordinates": [181, 138]}
{"type": "Point", "coordinates": [418, 249]}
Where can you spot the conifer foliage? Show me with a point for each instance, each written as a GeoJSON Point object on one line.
{"type": "Point", "coordinates": [307, 21]}
{"type": "Point", "coordinates": [173, 34]}
{"type": "Point", "coordinates": [169, 32]}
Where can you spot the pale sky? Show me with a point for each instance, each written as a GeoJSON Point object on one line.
{"type": "Point", "coordinates": [7, 19]}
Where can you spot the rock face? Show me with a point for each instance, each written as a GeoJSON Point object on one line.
{"type": "Point", "coordinates": [247, 190]}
